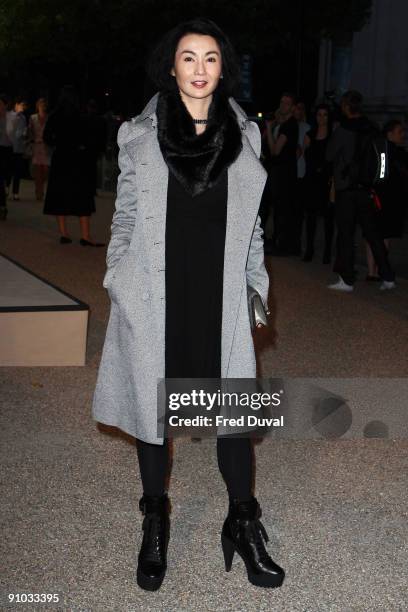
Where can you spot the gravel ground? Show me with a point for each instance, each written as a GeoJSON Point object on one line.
{"type": "Point", "coordinates": [335, 509]}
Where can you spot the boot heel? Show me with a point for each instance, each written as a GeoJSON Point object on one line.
{"type": "Point", "coordinates": [228, 549]}
{"type": "Point", "coordinates": [244, 533]}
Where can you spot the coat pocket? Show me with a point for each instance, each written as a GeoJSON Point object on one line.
{"type": "Point", "coordinates": [113, 274]}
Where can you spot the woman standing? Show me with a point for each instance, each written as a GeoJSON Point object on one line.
{"type": "Point", "coordinates": [317, 184]}
{"type": "Point", "coordinates": [185, 240]}
{"type": "Point", "coordinates": [40, 152]}
{"type": "Point", "coordinates": [70, 189]}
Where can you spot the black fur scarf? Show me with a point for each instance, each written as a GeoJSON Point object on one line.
{"type": "Point", "coordinates": [197, 160]}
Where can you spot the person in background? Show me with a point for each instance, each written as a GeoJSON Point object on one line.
{"type": "Point", "coordinates": [6, 152]}
{"type": "Point", "coordinates": [317, 181]}
{"type": "Point", "coordinates": [283, 138]}
{"type": "Point", "coordinates": [18, 140]}
{"type": "Point", "coordinates": [70, 188]}
{"type": "Point", "coordinates": [40, 152]}
{"type": "Point", "coordinates": [300, 116]}
{"type": "Point", "coordinates": [353, 202]}
{"type": "Point", "coordinates": [97, 139]}
{"type": "Point", "coordinates": [393, 194]}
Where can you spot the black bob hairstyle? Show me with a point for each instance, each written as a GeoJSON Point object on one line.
{"type": "Point", "coordinates": [161, 59]}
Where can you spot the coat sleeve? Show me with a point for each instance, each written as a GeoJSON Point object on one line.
{"type": "Point", "coordinates": [123, 219]}
{"type": "Point", "coordinates": [256, 273]}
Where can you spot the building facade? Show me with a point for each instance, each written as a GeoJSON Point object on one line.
{"type": "Point", "coordinates": [375, 62]}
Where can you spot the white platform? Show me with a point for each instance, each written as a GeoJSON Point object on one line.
{"type": "Point", "coordinates": [40, 325]}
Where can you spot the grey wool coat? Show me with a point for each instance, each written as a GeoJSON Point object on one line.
{"type": "Point", "coordinates": [133, 356]}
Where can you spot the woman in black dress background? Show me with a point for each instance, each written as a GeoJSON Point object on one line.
{"type": "Point", "coordinates": [70, 190]}
{"type": "Point", "coordinates": [317, 184]}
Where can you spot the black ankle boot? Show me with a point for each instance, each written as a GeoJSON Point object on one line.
{"type": "Point", "coordinates": [244, 533]}
{"type": "Point", "coordinates": [152, 560]}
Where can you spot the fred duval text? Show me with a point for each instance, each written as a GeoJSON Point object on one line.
{"type": "Point", "coordinates": [205, 421]}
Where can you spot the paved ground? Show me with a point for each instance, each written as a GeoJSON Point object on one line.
{"type": "Point", "coordinates": [336, 510]}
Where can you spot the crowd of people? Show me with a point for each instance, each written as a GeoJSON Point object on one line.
{"type": "Point", "coordinates": [62, 148]}
{"type": "Point", "coordinates": [310, 177]}
{"type": "Point", "coordinates": [307, 164]}
{"type": "Point", "coordinates": [20, 140]}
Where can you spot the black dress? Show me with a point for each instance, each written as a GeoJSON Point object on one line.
{"type": "Point", "coordinates": [318, 173]}
{"type": "Point", "coordinates": [70, 189]}
{"type": "Point", "coordinates": [195, 240]}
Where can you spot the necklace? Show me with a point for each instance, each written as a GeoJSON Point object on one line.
{"type": "Point", "coordinates": [200, 120]}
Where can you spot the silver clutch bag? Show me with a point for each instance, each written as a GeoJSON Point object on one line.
{"type": "Point", "coordinates": [258, 316]}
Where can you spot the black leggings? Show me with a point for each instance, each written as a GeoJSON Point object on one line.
{"type": "Point", "coordinates": [234, 457]}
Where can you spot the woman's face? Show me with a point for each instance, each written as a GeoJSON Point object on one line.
{"type": "Point", "coordinates": [197, 65]}
{"type": "Point", "coordinates": [20, 107]}
{"type": "Point", "coordinates": [322, 117]}
{"type": "Point", "coordinates": [42, 107]}
{"type": "Point", "coordinates": [286, 106]}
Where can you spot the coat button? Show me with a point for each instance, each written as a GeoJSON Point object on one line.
{"type": "Point", "coordinates": [145, 296]}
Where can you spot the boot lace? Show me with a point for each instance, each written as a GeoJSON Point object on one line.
{"type": "Point", "coordinates": [152, 538]}
{"type": "Point", "coordinates": [255, 532]}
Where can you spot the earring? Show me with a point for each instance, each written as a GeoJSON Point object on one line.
{"type": "Point", "coordinates": [222, 76]}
